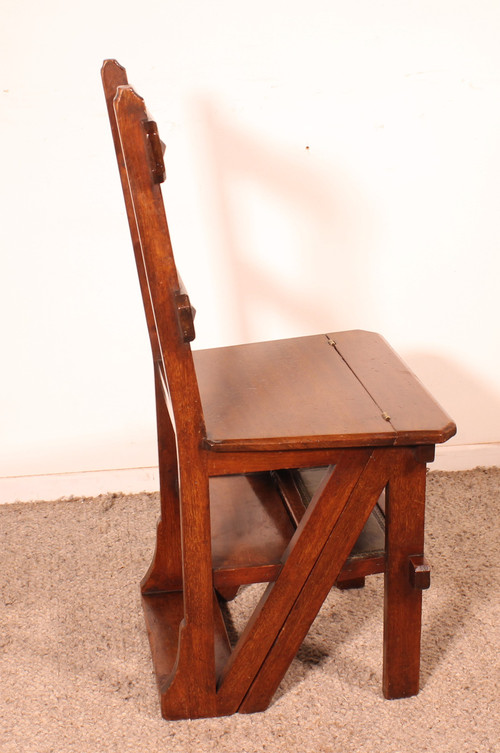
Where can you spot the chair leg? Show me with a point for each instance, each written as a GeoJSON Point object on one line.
{"type": "Point", "coordinates": [191, 691]}
{"type": "Point", "coordinates": [181, 622]}
{"type": "Point", "coordinates": [405, 508]}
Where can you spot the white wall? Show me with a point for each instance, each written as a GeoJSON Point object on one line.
{"type": "Point", "coordinates": [330, 166]}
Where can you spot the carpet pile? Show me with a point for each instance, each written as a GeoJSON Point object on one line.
{"type": "Point", "coordinates": [76, 675]}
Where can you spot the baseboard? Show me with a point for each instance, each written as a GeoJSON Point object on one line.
{"type": "Point", "coordinates": [133, 480]}
{"type": "Point", "coordinates": [455, 457]}
{"type": "Point", "coordinates": [85, 484]}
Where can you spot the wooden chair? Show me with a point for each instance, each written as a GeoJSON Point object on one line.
{"type": "Point", "coordinates": [276, 462]}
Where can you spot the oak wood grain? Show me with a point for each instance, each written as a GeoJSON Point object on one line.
{"type": "Point", "coordinates": [298, 560]}
{"type": "Point", "coordinates": [339, 398]}
{"type": "Point", "coordinates": [343, 531]}
{"type": "Point", "coordinates": [237, 429]}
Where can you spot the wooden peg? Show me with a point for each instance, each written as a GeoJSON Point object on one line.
{"type": "Point", "coordinates": [420, 572]}
{"type": "Point", "coordinates": [185, 317]}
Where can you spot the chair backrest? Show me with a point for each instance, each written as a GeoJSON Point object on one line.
{"type": "Point", "coordinates": [113, 76]}
{"type": "Point", "coordinates": [168, 311]}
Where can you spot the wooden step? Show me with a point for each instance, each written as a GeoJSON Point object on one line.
{"type": "Point", "coordinates": [253, 518]}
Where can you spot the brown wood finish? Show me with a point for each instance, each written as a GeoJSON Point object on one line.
{"type": "Point", "coordinates": [369, 383]}
{"type": "Point", "coordinates": [273, 457]}
{"type": "Point", "coordinates": [405, 510]}
{"type": "Point", "coordinates": [269, 618]}
{"type": "Point", "coordinates": [342, 536]}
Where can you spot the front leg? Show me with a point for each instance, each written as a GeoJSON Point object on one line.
{"type": "Point", "coordinates": [405, 508]}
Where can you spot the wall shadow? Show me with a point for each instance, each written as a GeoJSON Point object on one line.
{"type": "Point", "coordinates": [334, 215]}
{"type": "Point", "coordinates": [330, 224]}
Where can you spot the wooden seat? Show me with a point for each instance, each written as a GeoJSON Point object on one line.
{"type": "Point", "coordinates": [298, 463]}
{"type": "Point", "coordinates": [346, 388]}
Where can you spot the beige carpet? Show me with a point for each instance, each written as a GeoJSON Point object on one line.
{"type": "Point", "coordinates": [75, 666]}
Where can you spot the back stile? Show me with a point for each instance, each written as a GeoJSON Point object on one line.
{"type": "Point", "coordinates": [114, 75]}
{"type": "Point", "coordinates": [195, 670]}
{"type": "Point", "coordinates": [165, 571]}
{"type": "Point", "coordinates": [157, 254]}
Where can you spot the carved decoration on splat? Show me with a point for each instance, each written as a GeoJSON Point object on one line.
{"type": "Point", "coordinates": [157, 151]}
{"type": "Point", "coordinates": [185, 314]}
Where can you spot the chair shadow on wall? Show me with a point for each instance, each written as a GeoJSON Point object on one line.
{"type": "Point", "coordinates": [329, 226]}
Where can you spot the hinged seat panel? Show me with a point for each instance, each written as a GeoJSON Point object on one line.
{"type": "Point", "coordinates": [309, 392]}
{"type": "Point", "coordinates": [412, 411]}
